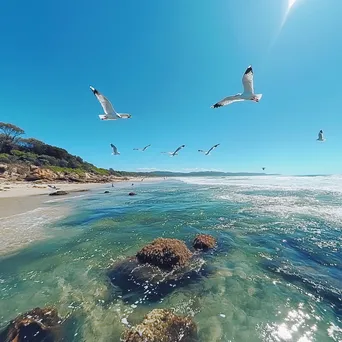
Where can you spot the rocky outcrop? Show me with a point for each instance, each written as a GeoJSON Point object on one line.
{"type": "Point", "coordinates": [32, 173]}
{"type": "Point", "coordinates": [165, 253]}
{"type": "Point", "coordinates": [58, 193]}
{"type": "Point", "coordinates": [156, 270]}
{"type": "Point", "coordinates": [37, 173]}
{"type": "Point", "coordinates": [35, 326]}
{"type": "Point", "coordinates": [3, 168]}
{"type": "Point", "coordinates": [162, 326]}
{"type": "Point", "coordinates": [204, 242]}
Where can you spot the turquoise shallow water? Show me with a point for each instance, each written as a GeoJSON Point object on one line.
{"type": "Point", "coordinates": [275, 276]}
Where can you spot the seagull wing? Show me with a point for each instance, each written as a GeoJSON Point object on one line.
{"type": "Point", "coordinates": [115, 150]}
{"type": "Point", "coordinates": [227, 100]}
{"type": "Point", "coordinates": [179, 148]}
{"type": "Point", "coordinates": [213, 148]}
{"type": "Point", "coordinates": [124, 115]}
{"type": "Point", "coordinates": [146, 147]}
{"type": "Point", "coordinates": [105, 103]}
{"type": "Point", "coordinates": [247, 80]}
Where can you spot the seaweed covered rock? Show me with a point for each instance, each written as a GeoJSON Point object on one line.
{"type": "Point", "coordinates": [204, 242]}
{"type": "Point", "coordinates": [145, 282]}
{"type": "Point", "coordinates": [34, 326]}
{"type": "Point", "coordinates": [162, 326]}
{"type": "Point", "coordinates": [156, 270]}
{"type": "Point", "coordinates": [165, 253]}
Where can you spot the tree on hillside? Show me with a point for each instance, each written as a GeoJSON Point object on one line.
{"type": "Point", "coordinates": [32, 145]}
{"type": "Point", "coordinates": [9, 136]}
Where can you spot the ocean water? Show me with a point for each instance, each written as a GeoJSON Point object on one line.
{"type": "Point", "coordinates": [276, 274]}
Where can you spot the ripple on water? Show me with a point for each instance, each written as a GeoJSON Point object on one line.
{"type": "Point", "coordinates": [275, 275]}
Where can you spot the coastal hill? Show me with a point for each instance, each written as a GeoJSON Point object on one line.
{"type": "Point", "coordinates": [29, 159]}
{"type": "Point", "coordinates": [33, 160]}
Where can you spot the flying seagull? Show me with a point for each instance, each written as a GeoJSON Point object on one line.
{"type": "Point", "coordinates": [110, 113]}
{"type": "Point", "coordinates": [208, 152]}
{"type": "Point", "coordinates": [320, 136]}
{"type": "Point", "coordinates": [115, 150]}
{"type": "Point", "coordinates": [142, 149]}
{"type": "Point", "coordinates": [248, 91]}
{"type": "Point", "coordinates": [263, 168]}
{"type": "Point", "coordinates": [172, 154]}
{"type": "Point", "coordinates": [52, 187]}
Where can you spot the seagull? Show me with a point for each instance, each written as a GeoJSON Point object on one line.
{"type": "Point", "coordinates": [263, 168]}
{"type": "Point", "coordinates": [320, 136]}
{"type": "Point", "coordinates": [52, 187]}
{"type": "Point", "coordinates": [141, 149]}
{"type": "Point", "coordinates": [248, 91]}
{"type": "Point", "coordinates": [110, 113]}
{"type": "Point", "coordinates": [208, 152]}
{"type": "Point", "coordinates": [172, 154]}
{"type": "Point", "coordinates": [115, 150]}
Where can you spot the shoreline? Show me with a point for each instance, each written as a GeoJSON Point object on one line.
{"type": "Point", "coordinates": [17, 197]}
{"type": "Point", "coordinates": [25, 209]}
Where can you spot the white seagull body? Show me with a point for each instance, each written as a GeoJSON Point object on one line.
{"type": "Point", "coordinates": [248, 91]}
{"type": "Point", "coordinates": [320, 136]}
{"type": "Point", "coordinates": [115, 150]}
{"type": "Point", "coordinates": [110, 113]}
{"type": "Point", "coordinates": [172, 154]}
{"type": "Point", "coordinates": [208, 152]}
{"type": "Point", "coordinates": [142, 149]}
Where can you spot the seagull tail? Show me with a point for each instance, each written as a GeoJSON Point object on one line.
{"type": "Point", "coordinates": [258, 96]}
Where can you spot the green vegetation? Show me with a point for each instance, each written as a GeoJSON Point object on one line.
{"type": "Point", "coordinates": [15, 149]}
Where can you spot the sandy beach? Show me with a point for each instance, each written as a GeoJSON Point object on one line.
{"type": "Point", "coordinates": [24, 211]}
{"type": "Point", "coordinates": [16, 198]}
{"type": "Point", "coordinates": [19, 197]}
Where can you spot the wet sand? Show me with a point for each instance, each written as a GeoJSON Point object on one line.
{"type": "Point", "coordinates": [16, 198]}
{"type": "Point", "coordinates": [26, 210]}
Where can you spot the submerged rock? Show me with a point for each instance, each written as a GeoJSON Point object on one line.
{"type": "Point", "coordinates": [58, 193]}
{"type": "Point", "coordinates": [37, 325]}
{"type": "Point", "coordinates": [162, 326]}
{"type": "Point", "coordinates": [106, 192]}
{"type": "Point", "coordinates": [165, 253]}
{"type": "Point", "coordinates": [204, 242]}
{"type": "Point", "coordinates": [132, 194]}
{"type": "Point", "coordinates": [156, 270]}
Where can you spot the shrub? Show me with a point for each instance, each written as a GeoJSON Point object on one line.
{"type": "Point", "coordinates": [5, 158]}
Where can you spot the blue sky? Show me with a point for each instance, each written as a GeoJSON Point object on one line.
{"type": "Point", "coordinates": [166, 63]}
